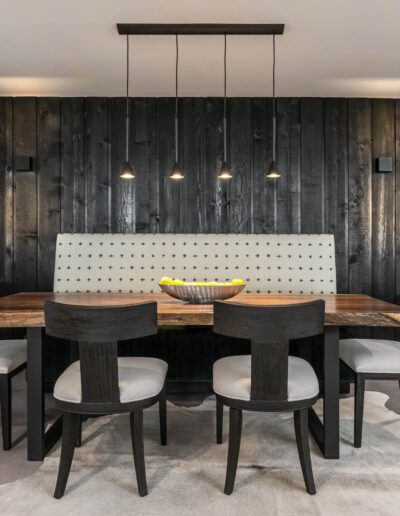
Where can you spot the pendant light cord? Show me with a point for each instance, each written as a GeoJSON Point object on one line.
{"type": "Point", "coordinates": [127, 100]}
{"type": "Point", "coordinates": [273, 102]}
{"type": "Point", "coordinates": [224, 121]}
{"type": "Point", "coordinates": [176, 100]}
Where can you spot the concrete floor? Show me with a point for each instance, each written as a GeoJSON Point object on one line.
{"type": "Point", "coordinates": [14, 464]}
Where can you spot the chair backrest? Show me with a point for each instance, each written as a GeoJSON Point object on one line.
{"type": "Point", "coordinates": [269, 328]}
{"type": "Point", "coordinates": [98, 330]}
{"type": "Point", "coordinates": [134, 263]}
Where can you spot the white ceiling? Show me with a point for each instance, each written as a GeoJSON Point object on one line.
{"type": "Point", "coordinates": [72, 48]}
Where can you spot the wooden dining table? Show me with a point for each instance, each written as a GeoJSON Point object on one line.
{"type": "Point", "coordinates": [26, 310]}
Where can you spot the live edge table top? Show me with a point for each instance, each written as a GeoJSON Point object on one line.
{"type": "Point", "coordinates": [25, 309]}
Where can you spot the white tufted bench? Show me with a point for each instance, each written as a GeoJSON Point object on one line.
{"type": "Point", "coordinates": [135, 263]}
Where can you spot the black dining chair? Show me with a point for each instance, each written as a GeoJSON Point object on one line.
{"type": "Point", "coordinates": [12, 362]}
{"type": "Point", "coordinates": [369, 359]}
{"type": "Point", "coordinates": [102, 383]}
{"type": "Point", "coordinates": [268, 380]}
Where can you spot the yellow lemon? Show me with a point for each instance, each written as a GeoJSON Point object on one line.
{"type": "Point", "coordinates": [213, 284]}
{"type": "Point", "coordinates": [201, 283]}
{"type": "Point", "coordinates": [165, 281]}
{"type": "Point", "coordinates": [177, 281]}
{"type": "Point", "coordinates": [237, 282]}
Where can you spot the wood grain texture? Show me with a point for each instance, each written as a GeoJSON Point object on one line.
{"type": "Point", "coordinates": [312, 166]}
{"type": "Point", "coordinates": [193, 150]}
{"type": "Point", "coordinates": [26, 309]}
{"type": "Point", "coordinates": [289, 161]}
{"type": "Point", "coordinates": [145, 160]}
{"type": "Point", "coordinates": [73, 185]}
{"type": "Point", "coordinates": [264, 201]}
{"type": "Point", "coordinates": [6, 197]}
{"type": "Point", "coordinates": [25, 197]}
{"type": "Point", "coordinates": [49, 187]}
{"type": "Point", "coordinates": [383, 202]}
{"type": "Point", "coordinates": [241, 153]}
{"type": "Point", "coordinates": [215, 191]}
{"type": "Point", "coordinates": [336, 184]}
{"type": "Point", "coordinates": [97, 166]}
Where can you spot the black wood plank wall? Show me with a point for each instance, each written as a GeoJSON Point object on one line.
{"type": "Point", "coordinates": [326, 151]}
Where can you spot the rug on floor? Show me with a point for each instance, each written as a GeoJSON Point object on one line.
{"type": "Point", "coordinates": [187, 476]}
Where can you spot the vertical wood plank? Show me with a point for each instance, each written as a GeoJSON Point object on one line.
{"type": "Point", "coordinates": [383, 258]}
{"type": "Point", "coordinates": [215, 190]}
{"type": "Point", "coordinates": [360, 195]}
{"type": "Point", "coordinates": [264, 209]}
{"type": "Point", "coordinates": [383, 208]}
{"type": "Point", "coordinates": [97, 166]}
{"type": "Point", "coordinates": [25, 197]}
{"type": "Point", "coordinates": [145, 157]}
{"type": "Point", "coordinates": [170, 190]}
{"type": "Point", "coordinates": [336, 185]}
{"type": "Point", "coordinates": [397, 200]}
{"type": "Point", "coordinates": [49, 187]}
{"type": "Point", "coordinates": [193, 145]}
{"type": "Point", "coordinates": [312, 165]}
{"type": "Point", "coordinates": [122, 190]}
{"type": "Point", "coordinates": [73, 186]}
{"type": "Point", "coordinates": [6, 197]}
{"type": "Point", "coordinates": [288, 161]}
{"type": "Point", "coordinates": [241, 158]}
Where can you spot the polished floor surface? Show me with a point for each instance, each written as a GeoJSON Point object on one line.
{"type": "Point", "coordinates": [187, 476]}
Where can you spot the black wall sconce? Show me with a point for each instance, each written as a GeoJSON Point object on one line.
{"type": "Point", "coordinates": [384, 165]}
{"type": "Point", "coordinates": [23, 163]}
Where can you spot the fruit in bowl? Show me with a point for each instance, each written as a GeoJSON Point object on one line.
{"type": "Point", "coordinates": [201, 292]}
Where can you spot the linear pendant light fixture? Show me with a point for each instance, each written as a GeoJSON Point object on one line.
{"type": "Point", "coordinates": [127, 171]}
{"type": "Point", "coordinates": [176, 173]}
{"type": "Point", "coordinates": [273, 172]}
{"type": "Point", "coordinates": [225, 172]}
{"type": "Point", "coordinates": [271, 29]}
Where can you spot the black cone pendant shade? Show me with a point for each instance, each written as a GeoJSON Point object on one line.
{"type": "Point", "coordinates": [225, 172]}
{"type": "Point", "coordinates": [176, 173]}
{"type": "Point", "coordinates": [273, 172]}
{"type": "Point", "coordinates": [127, 171]}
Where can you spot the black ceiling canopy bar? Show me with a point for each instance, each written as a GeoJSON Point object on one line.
{"type": "Point", "coordinates": [200, 28]}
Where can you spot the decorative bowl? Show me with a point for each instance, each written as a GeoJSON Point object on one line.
{"type": "Point", "coordinates": [202, 295]}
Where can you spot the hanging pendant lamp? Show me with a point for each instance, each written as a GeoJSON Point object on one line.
{"type": "Point", "coordinates": [225, 172]}
{"type": "Point", "coordinates": [273, 172]}
{"type": "Point", "coordinates": [176, 173]}
{"type": "Point", "coordinates": [127, 171]}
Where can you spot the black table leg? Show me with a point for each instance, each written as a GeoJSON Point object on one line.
{"type": "Point", "coordinates": [326, 434]}
{"type": "Point", "coordinates": [36, 439]}
{"type": "Point", "coordinates": [39, 441]}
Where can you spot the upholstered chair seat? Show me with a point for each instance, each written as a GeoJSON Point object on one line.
{"type": "Point", "coordinates": [370, 359]}
{"type": "Point", "coordinates": [12, 361]}
{"type": "Point", "coordinates": [232, 378]}
{"type": "Point", "coordinates": [12, 355]}
{"type": "Point", "coordinates": [139, 378]}
{"type": "Point", "coordinates": [371, 355]}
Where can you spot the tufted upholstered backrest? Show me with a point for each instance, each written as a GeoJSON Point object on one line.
{"type": "Point", "coordinates": [135, 263]}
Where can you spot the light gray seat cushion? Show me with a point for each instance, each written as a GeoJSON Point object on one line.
{"type": "Point", "coordinates": [12, 354]}
{"type": "Point", "coordinates": [139, 378]}
{"type": "Point", "coordinates": [371, 355]}
{"type": "Point", "coordinates": [232, 378]}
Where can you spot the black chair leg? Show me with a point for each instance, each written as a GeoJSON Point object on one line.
{"type": "Point", "coordinates": [235, 433]}
{"type": "Point", "coordinates": [303, 448]}
{"type": "Point", "coordinates": [138, 450]}
{"type": "Point", "coordinates": [5, 402]}
{"type": "Point", "coordinates": [358, 409]}
{"type": "Point", "coordinates": [220, 419]}
{"type": "Point", "coordinates": [70, 423]}
{"type": "Point", "coordinates": [162, 405]}
{"type": "Point", "coordinates": [78, 443]}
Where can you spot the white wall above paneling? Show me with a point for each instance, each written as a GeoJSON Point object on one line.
{"type": "Point", "coordinates": [72, 48]}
